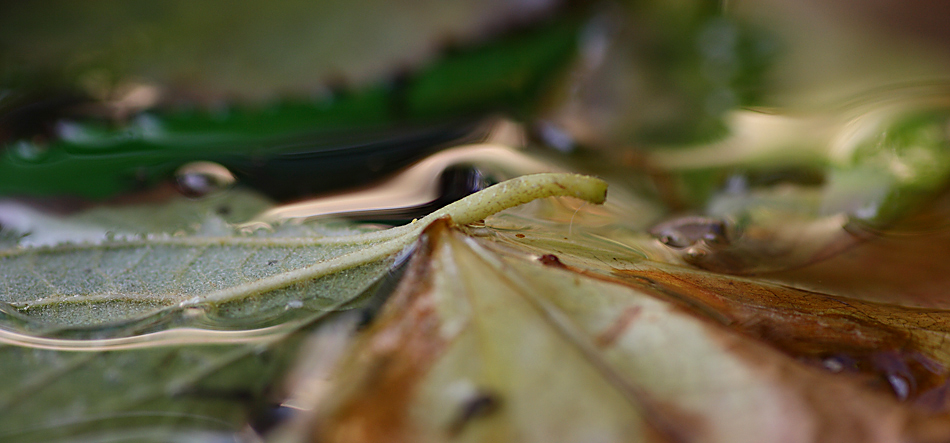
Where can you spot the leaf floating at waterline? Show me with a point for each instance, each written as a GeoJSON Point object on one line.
{"type": "Point", "coordinates": [191, 384]}
{"type": "Point", "coordinates": [129, 276]}
{"type": "Point", "coordinates": [245, 277]}
{"type": "Point", "coordinates": [481, 346]}
{"type": "Point", "coordinates": [901, 347]}
{"type": "Point", "coordinates": [449, 342]}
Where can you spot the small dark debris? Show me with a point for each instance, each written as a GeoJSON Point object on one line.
{"type": "Point", "coordinates": [459, 181]}
{"type": "Point", "coordinates": [551, 260]}
{"type": "Point", "coordinates": [480, 405]}
{"type": "Point", "coordinates": [683, 232]}
{"type": "Point", "coordinates": [271, 262]}
{"type": "Point", "coordinates": [223, 210]}
{"type": "Point", "coordinates": [267, 417]}
{"type": "Point", "coordinates": [365, 318]}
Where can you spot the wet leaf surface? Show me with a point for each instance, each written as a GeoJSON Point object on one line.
{"type": "Point", "coordinates": [188, 336]}
{"type": "Point", "coordinates": [151, 392]}
{"type": "Point", "coordinates": [102, 340]}
{"type": "Point", "coordinates": [180, 263]}
{"type": "Point", "coordinates": [798, 295]}
{"type": "Point", "coordinates": [884, 333]}
{"type": "Point", "coordinates": [480, 344]}
{"type": "Point", "coordinates": [553, 321]}
{"type": "Point", "coordinates": [75, 274]}
{"type": "Point", "coordinates": [556, 322]}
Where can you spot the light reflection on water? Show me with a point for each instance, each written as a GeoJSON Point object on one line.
{"type": "Point", "coordinates": [171, 337]}
{"type": "Point", "coordinates": [904, 264]}
{"type": "Point", "coordinates": [819, 252]}
{"type": "Point", "coordinates": [873, 225]}
{"type": "Point", "coordinates": [415, 186]}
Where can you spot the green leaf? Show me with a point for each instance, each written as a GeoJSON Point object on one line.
{"type": "Point", "coordinates": [113, 267]}
{"type": "Point", "coordinates": [242, 277]}
{"type": "Point", "coordinates": [188, 336]}
{"type": "Point", "coordinates": [325, 140]}
{"type": "Point", "coordinates": [154, 387]}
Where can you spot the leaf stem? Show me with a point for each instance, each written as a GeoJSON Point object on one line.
{"type": "Point", "coordinates": [478, 206]}
{"type": "Point", "coordinates": [370, 247]}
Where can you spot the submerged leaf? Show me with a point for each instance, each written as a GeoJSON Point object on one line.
{"type": "Point", "coordinates": [165, 387]}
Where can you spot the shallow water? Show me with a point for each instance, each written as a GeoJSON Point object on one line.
{"type": "Point", "coordinates": [820, 226]}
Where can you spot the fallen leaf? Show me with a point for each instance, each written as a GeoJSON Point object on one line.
{"type": "Point", "coordinates": [478, 345]}
{"type": "Point", "coordinates": [238, 277]}
{"type": "Point", "coordinates": [187, 336]}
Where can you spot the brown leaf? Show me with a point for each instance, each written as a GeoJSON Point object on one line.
{"type": "Point", "coordinates": [482, 343]}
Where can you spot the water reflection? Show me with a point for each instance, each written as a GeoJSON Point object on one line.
{"type": "Point", "coordinates": [908, 270]}
{"type": "Point", "coordinates": [684, 232]}
{"type": "Point", "coordinates": [199, 179]}
{"type": "Point", "coordinates": [417, 186]}
{"type": "Point", "coordinates": [171, 337]}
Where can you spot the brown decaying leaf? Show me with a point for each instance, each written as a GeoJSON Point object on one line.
{"type": "Point", "coordinates": [896, 267]}
{"type": "Point", "coordinates": [482, 343]}
{"type": "Point", "coordinates": [902, 348]}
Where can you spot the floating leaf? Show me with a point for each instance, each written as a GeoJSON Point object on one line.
{"type": "Point", "coordinates": [512, 327]}
{"type": "Point", "coordinates": [243, 277]}
{"type": "Point", "coordinates": [187, 337]}
{"type": "Point", "coordinates": [546, 325]}
{"type": "Point", "coordinates": [313, 140]}
{"type": "Point", "coordinates": [482, 346]}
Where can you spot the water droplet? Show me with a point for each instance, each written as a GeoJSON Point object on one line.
{"type": "Point", "coordinates": [190, 302]}
{"type": "Point", "coordinates": [555, 137]}
{"type": "Point", "coordinates": [900, 385]}
{"type": "Point", "coordinates": [478, 404]}
{"type": "Point", "coordinates": [897, 373]}
{"type": "Point", "coordinates": [838, 363]}
{"type": "Point", "coordinates": [684, 232]}
{"type": "Point", "coordinates": [72, 132]}
{"type": "Point", "coordinates": [867, 212]}
{"type": "Point", "coordinates": [251, 228]}
{"type": "Point", "coordinates": [695, 253]}
{"type": "Point", "coordinates": [199, 179]}
{"type": "Point", "coordinates": [460, 181]}
{"type": "Point", "coordinates": [833, 365]}
{"type": "Point", "coordinates": [146, 126]}
{"type": "Point", "coordinates": [29, 151]}
{"type": "Point", "coordinates": [193, 311]}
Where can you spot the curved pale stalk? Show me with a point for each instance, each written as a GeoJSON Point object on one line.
{"type": "Point", "coordinates": [470, 209]}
